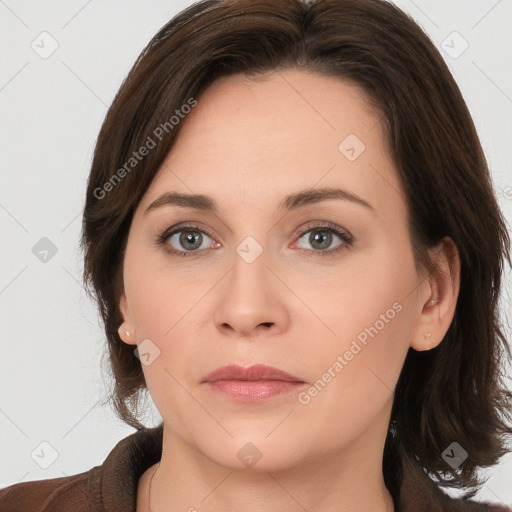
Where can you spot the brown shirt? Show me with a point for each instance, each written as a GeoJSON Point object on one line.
{"type": "Point", "coordinates": [112, 486]}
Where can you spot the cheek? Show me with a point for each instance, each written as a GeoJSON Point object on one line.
{"type": "Point", "coordinates": [357, 370]}
{"type": "Point", "coordinates": [162, 314]}
{"type": "Point", "coordinates": [165, 308]}
{"type": "Point", "coordinates": [365, 299]}
{"type": "Point", "coordinates": [160, 295]}
{"type": "Point", "coordinates": [367, 318]}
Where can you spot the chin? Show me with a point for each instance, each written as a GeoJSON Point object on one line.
{"type": "Point", "coordinates": [254, 454]}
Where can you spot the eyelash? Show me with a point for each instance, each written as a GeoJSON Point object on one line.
{"type": "Point", "coordinates": [345, 237]}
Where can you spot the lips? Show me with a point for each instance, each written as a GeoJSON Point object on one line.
{"type": "Point", "coordinates": [252, 373]}
{"type": "Point", "coordinates": [256, 383]}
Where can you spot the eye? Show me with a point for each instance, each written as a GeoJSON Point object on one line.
{"type": "Point", "coordinates": [321, 237]}
{"type": "Point", "coordinates": [189, 239]}
{"type": "Point", "coordinates": [186, 240]}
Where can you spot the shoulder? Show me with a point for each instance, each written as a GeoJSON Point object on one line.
{"type": "Point", "coordinates": [78, 493]}
{"type": "Point", "coordinates": [110, 487]}
{"type": "Point", "coordinates": [419, 493]}
{"type": "Point", "coordinates": [441, 502]}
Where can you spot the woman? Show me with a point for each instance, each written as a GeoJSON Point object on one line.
{"type": "Point", "coordinates": [293, 240]}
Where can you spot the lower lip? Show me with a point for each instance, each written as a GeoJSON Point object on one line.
{"type": "Point", "coordinates": [253, 391]}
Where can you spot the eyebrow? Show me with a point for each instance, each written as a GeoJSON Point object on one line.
{"type": "Point", "coordinates": [291, 202]}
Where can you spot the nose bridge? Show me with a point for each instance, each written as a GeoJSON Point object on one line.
{"type": "Point", "coordinates": [249, 275]}
{"type": "Point", "coordinates": [250, 295]}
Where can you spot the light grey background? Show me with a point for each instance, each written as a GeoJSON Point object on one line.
{"type": "Point", "coordinates": [51, 109]}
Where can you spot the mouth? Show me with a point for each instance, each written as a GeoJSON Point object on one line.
{"type": "Point", "coordinates": [255, 383]}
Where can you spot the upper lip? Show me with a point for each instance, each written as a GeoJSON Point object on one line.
{"type": "Point", "coordinates": [251, 373]}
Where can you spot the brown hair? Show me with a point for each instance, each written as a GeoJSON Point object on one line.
{"type": "Point", "coordinates": [452, 393]}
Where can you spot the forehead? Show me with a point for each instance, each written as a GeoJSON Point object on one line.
{"type": "Point", "coordinates": [256, 140]}
{"type": "Point", "coordinates": [283, 108]}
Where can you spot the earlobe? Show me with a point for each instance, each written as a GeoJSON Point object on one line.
{"type": "Point", "coordinates": [126, 335]}
{"type": "Point", "coordinates": [440, 291]}
{"type": "Point", "coordinates": [125, 330]}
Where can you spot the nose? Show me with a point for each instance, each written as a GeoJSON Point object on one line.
{"type": "Point", "coordinates": [251, 300]}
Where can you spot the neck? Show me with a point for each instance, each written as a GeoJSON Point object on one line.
{"type": "Point", "coordinates": [186, 480]}
{"type": "Point", "coordinates": [270, 493]}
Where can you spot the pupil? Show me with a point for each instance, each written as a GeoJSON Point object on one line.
{"type": "Point", "coordinates": [319, 236]}
{"type": "Point", "coordinates": [188, 239]}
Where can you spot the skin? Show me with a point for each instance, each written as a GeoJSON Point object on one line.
{"type": "Point", "coordinates": [248, 144]}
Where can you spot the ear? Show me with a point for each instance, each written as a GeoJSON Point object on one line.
{"type": "Point", "coordinates": [438, 295]}
{"type": "Point", "coordinates": [125, 330]}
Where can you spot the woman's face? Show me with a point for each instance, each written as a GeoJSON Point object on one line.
{"type": "Point", "coordinates": [280, 273]}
